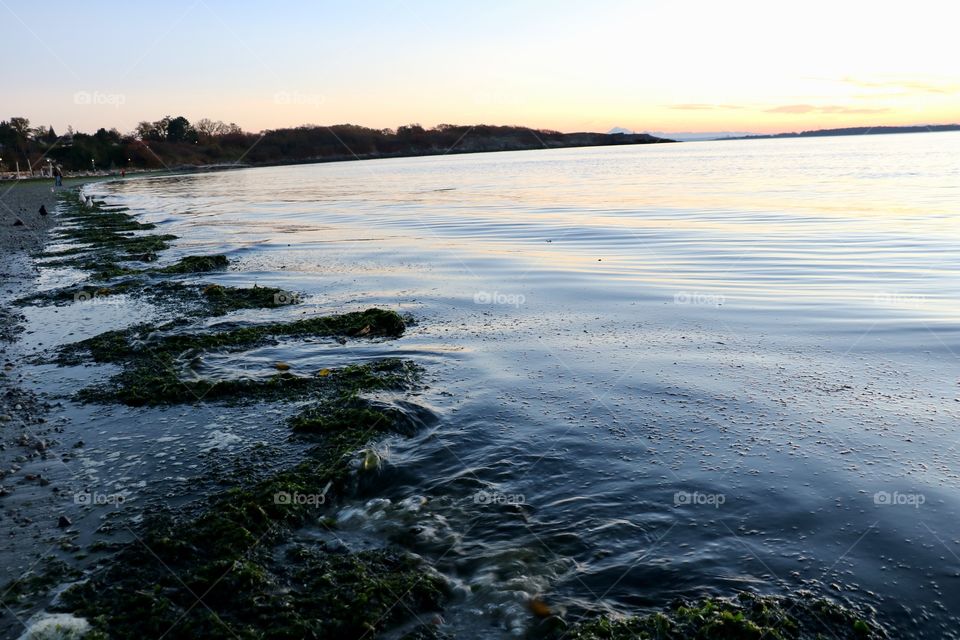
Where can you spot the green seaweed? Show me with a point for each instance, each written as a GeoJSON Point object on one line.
{"type": "Point", "coordinates": [231, 556]}
{"type": "Point", "coordinates": [188, 299]}
{"type": "Point", "coordinates": [749, 616]}
{"type": "Point", "coordinates": [191, 264]}
{"type": "Point", "coordinates": [220, 300]}
{"type": "Point", "coordinates": [156, 380]}
{"type": "Point", "coordinates": [227, 572]}
{"type": "Point", "coordinates": [195, 264]}
{"type": "Point", "coordinates": [102, 238]}
{"type": "Point", "coordinates": [147, 340]}
{"type": "Point", "coordinates": [37, 581]}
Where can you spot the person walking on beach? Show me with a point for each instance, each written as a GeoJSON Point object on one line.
{"type": "Point", "coordinates": [58, 176]}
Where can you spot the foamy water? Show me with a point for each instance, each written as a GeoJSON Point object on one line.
{"type": "Point", "coordinates": [657, 371]}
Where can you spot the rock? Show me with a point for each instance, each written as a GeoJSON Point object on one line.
{"type": "Point", "coordinates": [64, 522]}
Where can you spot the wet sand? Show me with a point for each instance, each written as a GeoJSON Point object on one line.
{"type": "Point", "coordinates": [28, 500]}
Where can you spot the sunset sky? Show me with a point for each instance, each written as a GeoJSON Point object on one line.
{"type": "Point", "coordinates": [747, 65]}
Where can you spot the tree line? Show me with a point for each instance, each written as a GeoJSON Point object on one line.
{"type": "Point", "coordinates": [172, 142]}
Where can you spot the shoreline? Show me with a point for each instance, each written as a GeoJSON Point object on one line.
{"type": "Point", "coordinates": [28, 442]}
{"type": "Point", "coordinates": [346, 157]}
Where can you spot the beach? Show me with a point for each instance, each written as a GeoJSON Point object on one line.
{"type": "Point", "coordinates": [27, 441]}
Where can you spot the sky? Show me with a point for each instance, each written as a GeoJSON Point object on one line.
{"type": "Point", "coordinates": [645, 65]}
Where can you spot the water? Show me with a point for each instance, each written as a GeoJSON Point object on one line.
{"type": "Point", "coordinates": [657, 371]}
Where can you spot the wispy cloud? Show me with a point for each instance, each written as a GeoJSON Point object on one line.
{"type": "Point", "coordinates": [941, 86]}
{"type": "Point", "coordinates": [704, 106]}
{"type": "Point", "coordinates": [831, 108]}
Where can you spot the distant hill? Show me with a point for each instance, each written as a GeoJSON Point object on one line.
{"type": "Point", "coordinates": [852, 131]}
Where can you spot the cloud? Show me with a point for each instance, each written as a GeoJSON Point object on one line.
{"type": "Point", "coordinates": [793, 108]}
{"type": "Point", "coordinates": [831, 108]}
{"type": "Point", "coordinates": [914, 86]}
{"type": "Point", "coordinates": [704, 107]}
{"type": "Point", "coordinates": [861, 110]}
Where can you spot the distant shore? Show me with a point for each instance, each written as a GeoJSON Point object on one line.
{"type": "Point", "coordinates": [851, 131]}
{"type": "Point", "coordinates": [160, 146]}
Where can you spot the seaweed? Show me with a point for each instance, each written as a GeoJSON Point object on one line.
{"type": "Point", "coordinates": [749, 616]}
{"type": "Point", "coordinates": [196, 264]}
{"type": "Point", "coordinates": [147, 340]}
{"type": "Point", "coordinates": [231, 559]}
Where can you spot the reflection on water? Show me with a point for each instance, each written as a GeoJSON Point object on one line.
{"type": "Point", "coordinates": [658, 371]}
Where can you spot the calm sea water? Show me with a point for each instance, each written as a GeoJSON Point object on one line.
{"type": "Point", "coordinates": [656, 371]}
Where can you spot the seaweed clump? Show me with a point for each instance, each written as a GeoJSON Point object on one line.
{"type": "Point", "coordinates": [747, 617]}
{"type": "Point", "coordinates": [189, 299]}
{"type": "Point", "coordinates": [158, 369]}
{"type": "Point", "coordinates": [102, 237]}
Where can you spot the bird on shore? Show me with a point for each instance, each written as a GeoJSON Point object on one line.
{"type": "Point", "coordinates": [88, 203]}
{"type": "Point", "coordinates": [43, 210]}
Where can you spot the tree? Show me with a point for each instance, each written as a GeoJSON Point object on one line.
{"type": "Point", "coordinates": [207, 129]}
{"type": "Point", "coordinates": [161, 127]}
{"type": "Point", "coordinates": [179, 130]}
{"type": "Point", "coordinates": [22, 128]}
{"type": "Point", "coordinates": [146, 131]}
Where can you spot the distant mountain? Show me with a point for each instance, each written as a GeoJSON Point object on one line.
{"type": "Point", "coordinates": [619, 130]}
{"type": "Point", "coordinates": [853, 131]}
